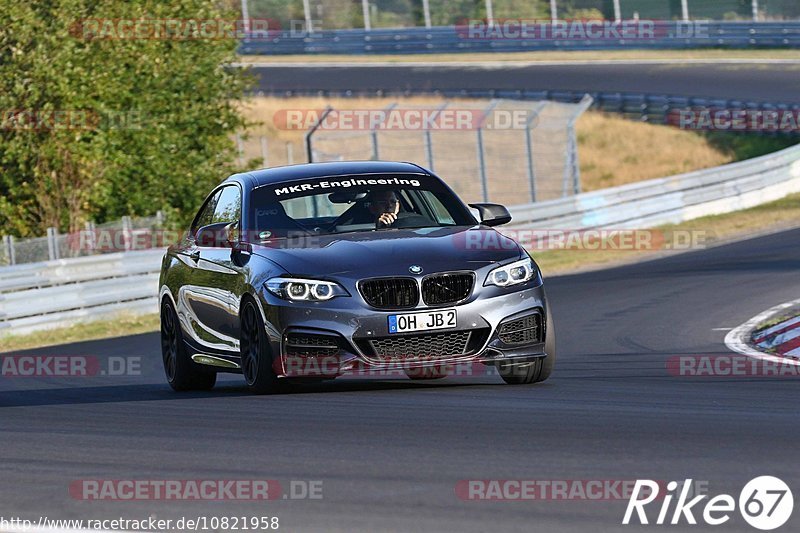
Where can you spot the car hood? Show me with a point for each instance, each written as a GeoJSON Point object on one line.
{"type": "Point", "coordinates": [390, 252]}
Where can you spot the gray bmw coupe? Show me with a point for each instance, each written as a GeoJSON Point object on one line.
{"type": "Point", "coordinates": [314, 271]}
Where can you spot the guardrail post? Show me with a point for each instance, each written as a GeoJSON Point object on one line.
{"type": "Point", "coordinates": [482, 168]}
{"type": "Point", "coordinates": [568, 163]}
{"type": "Point", "coordinates": [312, 130]}
{"type": "Point", "coordinates": [8, 242]}
{"type": "Point", "coordinates": [52, 244]}
{"type": "Point", "coordinates": [481, 154]}
{"type": "Point", "coordinates": [374, 133]}
{"type": "Point", "coordinates": [127, 229]}
{"type": "Point", "coordinates": [289, 153]}
{"type": "Point", "coordinates": [617, 11]}
{"type": "Point", "coordinates": [88, 240]}
{"type": "Point", "coordinates": [429, 138]}
{"type": "Point", "coordinates": [529, 147]}
{"type": "Point", "coordinates": [553, 10]}
{"type": "Point", "coordinates": [489, 12]}
{"type": "Point", "coordinates": [307, 15]}
{"type": "Point", "coordinates": [571, 166]}
{"type": "Point", "coordinates": [159, 218]}
{"type": "Point", "coordinates": [375, 149]}
{"type": "Point", "coordinates": [264, 152]}
{"type": "Point", "coordinates": [240, 149]}
{"type": "Point", "coordinates": [755, 10]}
{"type": "Point", "coordinates": [426, 12]}
{"type": "Point", "coordinates": [365, 12]}
{"type": "Point", "coordinates": [685, 10]}
{"type": "Point", "coordinates": [245, 20]}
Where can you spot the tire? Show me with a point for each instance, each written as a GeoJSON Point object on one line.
{"type": "Point", "coordinates": [182, 373]}
{"type": "Point", "coordinates": [428, 372]}
{"type": "Point", "coordinates": [538, 370]}
{"type": "Point", "coordinates": [259, 376]}
{"type": "Point", "coordinates": [550, 348]}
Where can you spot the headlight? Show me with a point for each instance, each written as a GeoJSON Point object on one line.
{"type": "Point", "coordinates": [512, 274]}
{"type": "Point", "coordinates": [304, 289]}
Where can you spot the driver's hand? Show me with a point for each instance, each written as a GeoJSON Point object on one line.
{"type": "Point", "coordinates": [386, 219]}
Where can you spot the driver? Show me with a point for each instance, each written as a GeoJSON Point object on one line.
{"type": "Point", "coordinates": [384, 206]}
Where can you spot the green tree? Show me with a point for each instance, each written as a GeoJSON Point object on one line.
{"type": "Point", "coordinates": [95, 126]}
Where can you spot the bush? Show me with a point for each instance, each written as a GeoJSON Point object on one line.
{"type": "Point", "coordinates": [127, 126]}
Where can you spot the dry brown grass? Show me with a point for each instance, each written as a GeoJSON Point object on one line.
{"type": "Point", "coordinates": [615, 151]}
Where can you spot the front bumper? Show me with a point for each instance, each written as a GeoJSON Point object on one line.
{"type": "Point", "coordinates": [334, 338]}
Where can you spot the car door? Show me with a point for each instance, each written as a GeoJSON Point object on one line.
{"type": "Point", "coordinates": [216, 283]}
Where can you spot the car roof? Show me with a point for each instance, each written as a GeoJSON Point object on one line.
{"type": "Point", "coordinates": [267, 176]}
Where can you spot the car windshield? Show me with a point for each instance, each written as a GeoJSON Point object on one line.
{"type": "Point", "coordinates": [346, 204]}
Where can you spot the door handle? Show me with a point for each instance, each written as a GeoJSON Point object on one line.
{"type": "Point", "coordinates": [195, 255]}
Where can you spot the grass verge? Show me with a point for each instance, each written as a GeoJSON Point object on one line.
{"type": "Point", "coordinates": [120, 325]}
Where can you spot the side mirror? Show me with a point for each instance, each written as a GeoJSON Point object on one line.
{"type": "Point", "coordinates": [492, 214]}
{"type": "Point", "coordinates": [212, 236]}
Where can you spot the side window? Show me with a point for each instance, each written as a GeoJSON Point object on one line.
{"type": "Point", "coordinates": [206, 213]}
{"type": "Point", "coordinates": [441, 213]}
{"type": "Point", "coordinates": [229, 206]}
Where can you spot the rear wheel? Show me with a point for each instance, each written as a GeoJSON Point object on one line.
{"type": "Point", "coordinates": [182, 373]}
{"type": "Point", "coordinates": [535, 371]}
{"type": "Point", "coordinates": [256, 355]}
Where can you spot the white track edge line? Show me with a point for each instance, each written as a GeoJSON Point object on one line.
{"type": "Point", "coordinates": [736, 339]}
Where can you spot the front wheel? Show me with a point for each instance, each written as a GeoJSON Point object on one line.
{"type": "Point", "coordinates": [256, 354]}
{"type": "Point", "coordinates": [182, 373]}
{"type": "Point", "coordinates": [535, 371]}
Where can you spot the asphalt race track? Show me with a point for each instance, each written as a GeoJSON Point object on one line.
{"type": "Point", "coordinates": [390, 452]}
{"type": "Point", "coordinates": [755, 82]}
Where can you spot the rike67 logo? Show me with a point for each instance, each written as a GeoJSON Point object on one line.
{"type": "Point", "coordinates": [765, 503]}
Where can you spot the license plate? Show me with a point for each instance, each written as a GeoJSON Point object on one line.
{"type": "Point", "coordinates": [423, 320]}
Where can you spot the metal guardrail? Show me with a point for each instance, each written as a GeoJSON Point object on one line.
{"type": "Point", "coordinates": [669, 200]}
{"type": "Point", "coordinates": [57, 293]}
{"type": "Point", "coordinates": [452, 39]}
